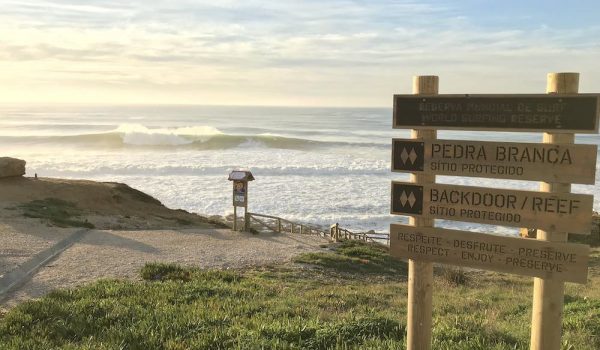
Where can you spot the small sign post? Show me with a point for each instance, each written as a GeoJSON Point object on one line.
{"type": "Point", "coordinates": [553, 210]}
{"type": "Point", "coordinates": [240, 179]}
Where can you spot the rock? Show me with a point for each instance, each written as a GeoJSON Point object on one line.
{"type": "Point", "coordinates": [11, 167]}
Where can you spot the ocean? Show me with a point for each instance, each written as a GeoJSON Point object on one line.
{"type": "Point", "coordinates": [312, 165]}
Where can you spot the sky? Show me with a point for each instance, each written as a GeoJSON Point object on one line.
{"type": "Point", "coordinates": [292, 53]}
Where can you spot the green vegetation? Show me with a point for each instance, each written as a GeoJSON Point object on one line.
{"type": "Point", "coordinates": [56, 211]}
{"type": "Point", "coordinates": [351, 297]}
{"type": "Point", "coordinates": [593, 239]}
{"type": "Point", "coordinates": [124, 190]}
{"type": "Point", "coordinates": [164, 272]}
{"type": "Point", "coordinates": [454, 276]}
{"type": "Point", "coordinates": [356, 258]}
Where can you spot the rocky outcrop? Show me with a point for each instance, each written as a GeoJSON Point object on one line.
{"type": "Point", "coordinates": [11, 167]}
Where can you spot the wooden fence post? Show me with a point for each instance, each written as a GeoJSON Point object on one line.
{"type": "Point", "coordinates": [548, 294]}
{"type": "Point", "coordinates": [246, 220]}
{"type": "Point", "coordinates": [234, 218]}
{"type": "Point", "coordinates": [420, 273]}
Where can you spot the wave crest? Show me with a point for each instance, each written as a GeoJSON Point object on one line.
{"type": "Point", "coordinates": [194, 137]}
{"type": "Point", "coordinates": [140, 135]}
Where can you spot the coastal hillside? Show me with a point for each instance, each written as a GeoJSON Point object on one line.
{"type": "Point", "coordinates": [57, 233]}
{"type": "Point", "coordinates": [101, 205]}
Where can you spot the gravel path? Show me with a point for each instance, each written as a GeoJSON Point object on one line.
{"type": "Point", "coordinates": [121, 254]}
{"type": "Point", "coordinates": [19, 241]}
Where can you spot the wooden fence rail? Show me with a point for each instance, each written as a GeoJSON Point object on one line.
{"type": "Point", "coordinates": [278, 224]}
{"type": "Point", "coordinates": [336, 233]}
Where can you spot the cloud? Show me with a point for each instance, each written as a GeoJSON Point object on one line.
{"type": "Point", "coordinates": [279, 52]}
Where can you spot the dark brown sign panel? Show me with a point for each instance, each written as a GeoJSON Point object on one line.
{"type": "Point", "coordinates": [240, 193]}
{"type": "Point", "coordinates": [558, 212]}
{"type": "Point", "coordinates": [523, 256]}
{"type": "Point", "coordinates": [544, 112]}
{"type": "Point", "coordinates": [565, 163]}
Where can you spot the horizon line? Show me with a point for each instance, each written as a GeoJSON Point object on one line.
{"type": "Point", "coordinates": [118, 104]}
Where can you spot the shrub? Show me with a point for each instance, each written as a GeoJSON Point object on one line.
{"type": "Point", "coordinates": [164, 272]}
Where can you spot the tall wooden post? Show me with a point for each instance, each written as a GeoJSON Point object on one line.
{"type": "Point", "coordinates": [234, 218]}
{"type": "Point", "coordinates": [548, 294]}
{"type": "Point", "coordinates": [420, 273]}
{"type": "Point", "coordinates": [246, 217]}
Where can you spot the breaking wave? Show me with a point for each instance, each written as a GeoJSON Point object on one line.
{"type": "Point", "coordinates": [195, 137]}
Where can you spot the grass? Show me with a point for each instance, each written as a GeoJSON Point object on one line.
{"type": "Point", "coordinates": [164, 272]}
{"type": "Point", "coordinates": [124, 190]}
{"type": "Point", "coordinates": [56, 212]}
{"type": "Point", "coordinates": [352, 297]}
{"type": "Point", "coordinates": [593, 239]}
{"type": "Point", "coordinates": [356, 257]}
{"type": "Point", "coordinates": [454, 276]}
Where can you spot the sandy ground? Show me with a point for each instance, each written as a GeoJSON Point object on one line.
{"type": "Point", "coordinates": [121, 254]}
{"type": "Point", "coordinates": [20, 240]}
{"type": "Point", "coordinates": [132, 229]}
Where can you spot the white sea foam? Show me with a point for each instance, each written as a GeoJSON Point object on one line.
{"type": "Point", "coordinates": [303, 176]}
{"type": "Point", "coordinates": [140, 135]}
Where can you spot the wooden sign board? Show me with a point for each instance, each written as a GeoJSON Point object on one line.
{"type": "Point", "coordinates": [545, 112]}
{"type": "Point", "coordinates": [565, 163]}
{"type": "Point", "coordinates": [523, 256]}
{"type": "Point", "coordinates": [240, 193]}
{"type": "Point", "coordinates": [557, 212]}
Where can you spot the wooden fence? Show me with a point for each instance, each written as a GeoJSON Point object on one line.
{"type": "Point", "coordinates": [336, 233]}
{"type": "Point", "coordinates": [277, 224]}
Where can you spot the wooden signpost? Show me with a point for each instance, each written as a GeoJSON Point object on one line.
{"type": "Point", "coordinates": [534, 113]}
{"type": "Point", "coordinates": [565, 261]}
{"type": "Point", "coordinates": [240, 179]}
{"type": "Point", "coordinates": [549, 211]}
{"type": "Point", "coordinates": [502, 160]}
{"type": "Point", "coordinates": [420, 272]}
{"type": "Point", "coordinates": [552, 261]}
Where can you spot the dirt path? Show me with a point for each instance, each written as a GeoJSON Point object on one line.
{"type": "Point", "coordinates": [121, 254]}
{"type": "Point", "coordinates": [20, 240]}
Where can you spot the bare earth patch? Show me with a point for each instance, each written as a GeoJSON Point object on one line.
{"type": "Point", "coordinates": [130, 229]}
{"type": "Point", "coordinates": [19, 241]}
{"type": "Point", "coordinates": [121, 254]}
